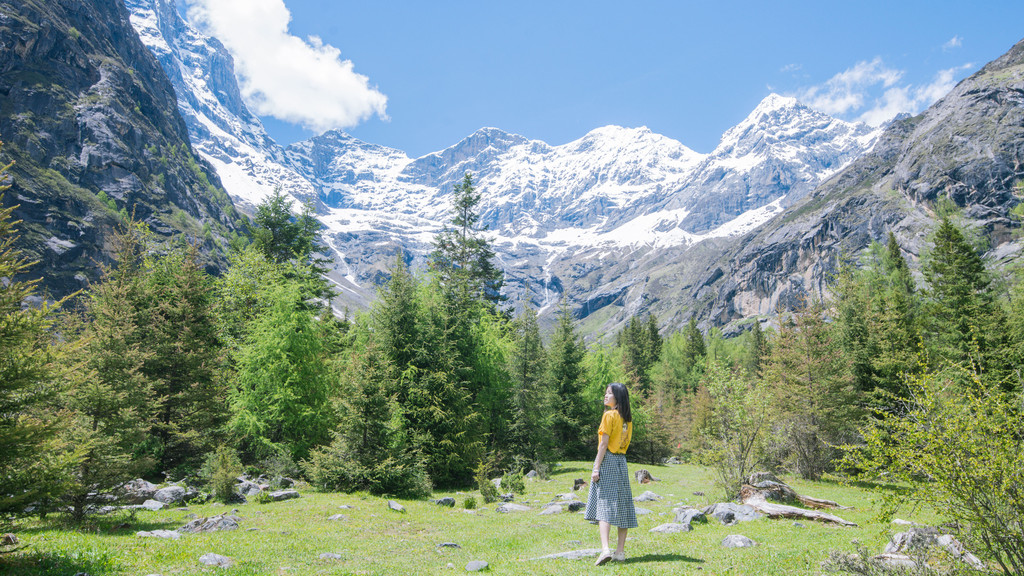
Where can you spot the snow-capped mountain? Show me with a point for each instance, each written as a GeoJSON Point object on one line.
{"type": "Point", "coordinates": [589, 219]}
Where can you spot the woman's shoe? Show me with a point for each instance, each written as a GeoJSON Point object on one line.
{"type": "Point", "coordinates": [619, 556]}
{"type": "Point", "coordinates": [603, 558]}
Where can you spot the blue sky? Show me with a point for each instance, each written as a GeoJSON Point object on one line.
{"type": "Point", "coordinates": [420, 76]}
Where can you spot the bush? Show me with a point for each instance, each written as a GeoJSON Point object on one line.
{"type": "Point", "coordinates": [469, 503]}
{"type": "Point", "coordinates": [337, 468]}
{"type": "Point", "coordinates": [514, 482]}
{"type": "Point", "coordinates": [220, 471]}
{"type": "Point", "coordinates": [960, 449]}
{"type": "Point", "coordinates": [488, 491]}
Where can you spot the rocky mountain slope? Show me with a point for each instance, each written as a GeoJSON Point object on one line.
{"type": "Point", "coordinates": [967, 148]}
{"type": "Point", "coordinates": [91, 122]}
{"type": "Point", "coordinates": [590, 220]}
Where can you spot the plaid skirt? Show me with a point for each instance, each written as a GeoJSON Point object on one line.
{"type": "Point", "coordinates": [611, 498]}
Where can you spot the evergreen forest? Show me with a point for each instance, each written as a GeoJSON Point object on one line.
{"type": "Point", "coordinates": [162, 371]}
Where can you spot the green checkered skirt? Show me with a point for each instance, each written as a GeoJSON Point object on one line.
{"type": "Point", "coordinates": [611, 498]}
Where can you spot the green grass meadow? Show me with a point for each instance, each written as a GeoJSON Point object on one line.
{"type": "Point", "coordinates": [287, 538]}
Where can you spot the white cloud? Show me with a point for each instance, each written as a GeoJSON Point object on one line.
{"type": "Point", "coordinates": [870, 92]}
{"type": "Point", "coordinates": [954, 42]}
{"type": "Point", "coordinates": [301, 81]}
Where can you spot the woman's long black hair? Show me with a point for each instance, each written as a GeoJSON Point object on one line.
{"type": "Point", "coordinates": [621, 401]}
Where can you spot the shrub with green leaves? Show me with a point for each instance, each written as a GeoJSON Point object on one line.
{"type": "Point", "coordinates": [513, 482]}
{"type": "Point", "coordinates": [960, 450]}
{"type": "Point", "coordinates": [220, 471]}
{"type": "Point", "coordinates": [337, 468]}
{"type": "Point", "coordinates": [488, 491]}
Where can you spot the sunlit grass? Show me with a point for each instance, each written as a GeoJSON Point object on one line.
{"type": "Point", "coordinates": [289, 537]}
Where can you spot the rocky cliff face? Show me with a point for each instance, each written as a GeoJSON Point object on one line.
{"type": "Point", "coordinates": [91, 122]}
{"type": "Point", "coordinates": [968, 148]}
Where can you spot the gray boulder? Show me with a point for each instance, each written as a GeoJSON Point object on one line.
{"type": "Point", "coordinates": [512, 507]}
{"type": "Point", "coordinates": [330, 556]}
{"type": "Point", "coordinates": [216, 560]}
{"type": "Point", "coordinates": [395, 506]}
{"type": "Point", "coordinates": [672, 528]}
{"type": "Point", "coordinates": [152, 505]}
{"type": "Point", "coordinates": [211, 524]}
{"type": "Point", "coordinates": [280, 495]}
{"type": "Point", "coordinates": [571, 555]}
{"type": "Point", "coordinates": [728, 513]}
{"type": "Point", "coordinates": [737, 541]}
{"type": "Point", "coordinates": [551, 509]}
{"type": "Point", "coordinates": [576, 506]}
{"type": "Point", "coordinates": [690, 515]}
{"type": "Point", "coordinates": [248, 488]}
{"type": "Point", "coordinates": [446, 501]}
{"type": "Point", "coordinates": [647, 496]}
{"type": "Point", "coordinates": [922, 537]}
{"type": "Point", "coordinates": [476, 566]}
{"type": "Point", "coordinates": [138, 491]}
{"type": "Point", "coordinates": [170, 495]}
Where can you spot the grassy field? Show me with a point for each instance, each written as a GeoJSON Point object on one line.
{"type": "Point", "coordinates": [287, 538]}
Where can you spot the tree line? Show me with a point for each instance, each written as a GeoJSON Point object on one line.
{"type": "Point", "coordinates": [161, 370]}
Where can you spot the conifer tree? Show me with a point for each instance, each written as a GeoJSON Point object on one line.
{"type": "Point", "coordinates": [813, 390]}
{"type": "Point", "coordinates": [640, 344]}
{"type": "Point", "coordinates": [280, 403]}
{"type": "Point", "coordinates": [462, 256]}
{"type": "Point", "coordinates": [530, 430]}
{"type": "Point", "coordinates": [695, 348]}
{"type": "Point", "coordinates": [964, 324]}
{"type": "Point", "coordinates": [186, 358]}
{"type": "Point", "coordinates": [567, 375]}
{"type": "Point", "coordinates": [28, 376]}
{"type": "Point", "coordinates": [285, 238]}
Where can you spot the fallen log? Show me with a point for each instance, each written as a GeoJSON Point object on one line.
{"type": "Point", "coordinates": [755, 498]}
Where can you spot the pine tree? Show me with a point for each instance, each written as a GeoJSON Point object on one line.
{"type": "Point", "coordinates": [288, 239]}
{"type": "Point", "coordinates": [640, 344]}
{"type": "Point", "coordinates": [964, 324]}
{"type": "Point", "coordinates": [567, 375]}
{"type": "Point", "coordinates": [280, 403]}
{"type": "Point", "coordinates": [28, 377]}
{"type": "Point", "coordinates": [813, 390]}
{"type": "Point", "coordinates": [462, 256]}
{"type": "Point", "coordinates": [530, 430]}
{"type": "Point", "coordinates": [186, 360]}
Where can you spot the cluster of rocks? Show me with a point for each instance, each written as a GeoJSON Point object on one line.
{"type": "Point", "coordinates": [907, 549]}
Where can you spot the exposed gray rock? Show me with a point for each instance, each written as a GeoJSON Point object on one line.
{"type": "Point", "coordinates": [923, 537]}
{"type": "Point", "coordinates": [449, 545]}
{"type": "Point", "coordinates": [248, 488]}
{"type": "Point", "coordinates": [279, 495]}
{"type": "Point", "coordinates": [167, 534]}
{"type": "Point", "coordinates": [476, 566]}
{"type": "Point", "coordinates": [330, 556]}
{"type": "Point", "coordinates": [507, 497]}
{"type": "Point", "coordinates": [672, 528]}
{"type": "Point", "coordinates": [728, 513]}
{"type": "Point", "coordinates": [690, 515]}
{"type": "Point", "coordinates": [395, 506]}
{"type": "Point", "coordinates": [337, 517]}
{"type": "Point", "coordinates": [737, 541]}
{"type": "Point", "coordinates": [551, 509]}
{"type": "Point", "coordinates": [532, 474]}
{"type": "Point", "coordinates": [512, 507]}
{"type": "Point", "coordinates": [153, 505]}
{"type": "Point", "coordinates": [138, 491]}
{"type": "Point", "coordinates": [170, 494]}
{"type": "Point", "coordinates": [211, 524]}
{"type": "Point", "coordinates": [576, 506]}
{"type": "Point", "coordinates": [647, 496]}
{"type": "Point", "coordinates": [446, 501]}
{"type": "Point", "coordinates": [641, 511]}
{"type": "Point", "coordinates": [211, 559]}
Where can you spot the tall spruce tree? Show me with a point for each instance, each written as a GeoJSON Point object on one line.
{"type": "Point", "coordinates": [462, 256]}
{"type": "Point", "coordinates": [965, 326]}
{"type": "Point", "coordinates": [813, 391]}
{"type": "Point", "coordinates": [530, 431]}
{"type": "Point", "coordinates": [567, 374]}
{"type": "Point", "coordinates": [285, 238]}
{"type": "Point", "coordinates": [28, 379]}
{"type": "Point", "coordinates": [640, 344]}
{"type": "Point", "coordinates": [280, 402]}
{"type": "Point", "coordinates": [186, 360]}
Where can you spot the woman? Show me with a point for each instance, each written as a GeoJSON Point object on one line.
{"type": "Point", "coordinates": [611, 498]}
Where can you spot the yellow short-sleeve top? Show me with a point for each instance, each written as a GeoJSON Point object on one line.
{"type": "Point", "coordinates": [619, 433]}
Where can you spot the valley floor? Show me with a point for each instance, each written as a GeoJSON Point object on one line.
{"type": "Point", "coordinates": [288, 537]}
